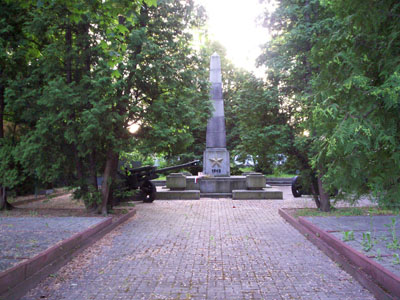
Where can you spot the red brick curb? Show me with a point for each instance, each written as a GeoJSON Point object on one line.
{"type": "Point", "coordinates": [13, 279]}
{"type": "Point", "coordinates": [379, 281]}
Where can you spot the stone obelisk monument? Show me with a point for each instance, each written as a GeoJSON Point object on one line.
{"type": "Point", "coordinates": [216, 157]}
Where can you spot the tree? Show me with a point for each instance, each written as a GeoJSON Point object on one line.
{"type": "Point", "coordinates": [261, 126]}
{"type": "Point", "coordinates": [357, 99]}
{"type": "Point", "coordinates": [15, 52]}
{"type": "Point", "coordinates": [295, 26]}
{"type": "Point", "coordinates": [180, 83]}
{"type": "Point", "coordinates": [101, 67]}
{"type": "Point", "coordinates": [335, 67]}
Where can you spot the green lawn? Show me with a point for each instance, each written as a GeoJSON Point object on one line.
{"type": "Point", "coordinates": [281, 175]}
{"type": "Point", "coordinates": [346, 211]}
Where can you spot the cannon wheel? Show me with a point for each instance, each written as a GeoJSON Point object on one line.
{"type": "Point", "coordinates": [296, 187]}
{"type": "Point", "coordinates": [149, 191]}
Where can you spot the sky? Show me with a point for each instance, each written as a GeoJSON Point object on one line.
{"type": "Point", "coordinates": [233, 24]}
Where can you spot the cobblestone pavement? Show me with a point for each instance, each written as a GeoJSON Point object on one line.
{"type": "Point", "coordinates": [207, 249]}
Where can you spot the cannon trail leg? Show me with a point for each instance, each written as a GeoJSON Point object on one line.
{"type": "Point", "coordinates": [149, 191]}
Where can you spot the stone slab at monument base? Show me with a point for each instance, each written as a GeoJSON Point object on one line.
{"type": "Point", "coordinates": [265, 193]}
{"type": "Point", "coordinates": [235, 187]}
{"type": "Point", "coordinates": [216, 184]}
{"type": "Point", "coordinates": [216, 195]}
{"type": "Point", "coordinates": [167, 194]}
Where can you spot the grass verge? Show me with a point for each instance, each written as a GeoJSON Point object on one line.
{"type": "Point", "coordinates": [343, 211]}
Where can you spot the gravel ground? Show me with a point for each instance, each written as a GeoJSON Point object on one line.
{"type": "Point", "coordinates": [24, 237]}
{"type": "Point", "coordinates": [380, 245]}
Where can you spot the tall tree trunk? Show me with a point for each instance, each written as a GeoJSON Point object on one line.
{"type": "Point", "coordinates": [93, 179]}
{"type": "Point", "coordinates": [110, 170]}
{"type": "Point", "coordinates": [4, 204]}
{"type": "Point", "coordinates": [3, 193]}
{"type": "Point", "coordinates": [3, 197]}
{"type": "Point", "coordinates": [68, 58]}
{"type": "Point", "coordinates": [93, 170]}
{"type": "Point", "coordinates": [80, 173]}
{"type": "Point", "coordinates": [323, 196]}
{"type": "Point", "coordinates": [2, 107]}
{"type": "Point", "coordinates": [315, 190]}
{"type": "Point", "coordinates": [79, 166]}
{"type": "Point", "coordinates": [109, 175]}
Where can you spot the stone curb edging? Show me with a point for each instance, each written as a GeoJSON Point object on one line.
{"type": "Point", "coordinates": [12, 280]}
{"type": "Point", "coordinates": [363, 269]}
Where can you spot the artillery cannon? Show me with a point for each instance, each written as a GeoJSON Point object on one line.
{"type": "Point", "coordinates": [140, 178]}
{"type": "Point", "coordinates": [302, 186]}
{"type": "Point", "coordinates": [308, 185]}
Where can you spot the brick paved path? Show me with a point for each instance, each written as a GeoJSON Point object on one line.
{"type": "Point", "coordinates": [207, 249]}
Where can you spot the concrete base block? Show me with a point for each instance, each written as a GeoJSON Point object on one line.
{"type": "Point", "coordinates": [266, 193]}
{"type": "Point", "coordinates": [166, 194]}
{"type": "Point", "coordinates": [255, 181]}
{"type": "Point", "coordinates": [176, 181]}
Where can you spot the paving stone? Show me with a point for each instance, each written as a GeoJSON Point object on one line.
{"type": "Point", "coordinates": [209, 249]}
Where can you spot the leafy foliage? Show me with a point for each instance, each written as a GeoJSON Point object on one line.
{"type": "Point", "coordinates": [357, 98]}
{"type": "Point", "coordinates": [334, 68]}
{"type": "Point", "coordinates": [90, 71]}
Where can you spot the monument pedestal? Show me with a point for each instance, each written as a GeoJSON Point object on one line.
{"type": "Point", "coordinates": [234, 187]}
{"type": "Point", "coordinates": [216, 162]}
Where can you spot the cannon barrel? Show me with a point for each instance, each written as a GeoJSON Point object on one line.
{"type": "Point", "coordinates": [144, 169]}
{"type": "Point", "coordinates": [192, 163]}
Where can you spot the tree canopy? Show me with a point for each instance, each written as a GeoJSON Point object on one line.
{"type": "Point", "coordinates": [88, 71]}
{"type": "Point", "coordinates": [333, 75]}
